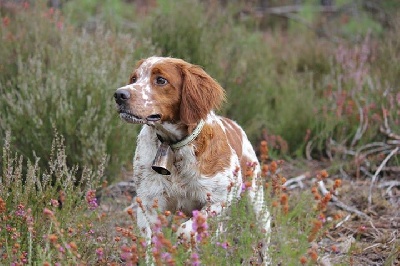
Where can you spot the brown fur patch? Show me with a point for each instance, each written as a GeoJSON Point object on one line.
{"type": "Point", "coordinates": [234, 135]}
{"type": "Point", "coordinates": [200, 94]}
{"type": "Point", "coordinates": [167, 97]}
{"type": "Point", "coordinates": [212, 150]}
{"type": "Point", "coordinates": [235, 138]}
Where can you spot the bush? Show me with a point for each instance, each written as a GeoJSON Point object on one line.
{"type": "Point", "coordinates": [267, 83]}
{"type": "Point", "coordinates": [49, 220]}
{"type": "Point", "coordinates": [43, 212]}
{"type": "Point", "coordinates": [64, 79]}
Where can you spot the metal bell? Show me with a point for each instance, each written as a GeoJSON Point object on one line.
{"type": "Point", "coordinates": [164, 160]}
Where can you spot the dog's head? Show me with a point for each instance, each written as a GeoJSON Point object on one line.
{"type": "Point", "coordinates": [163, 89]}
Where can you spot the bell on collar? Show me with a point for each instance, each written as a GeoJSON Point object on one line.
{"type": "Point", "coordinates": [164, 160]}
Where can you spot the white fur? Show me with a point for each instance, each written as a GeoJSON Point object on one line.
{"type": "Point", "coordinates": [186, 188]}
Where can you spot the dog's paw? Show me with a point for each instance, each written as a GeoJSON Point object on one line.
{"type": "Point", "coordinates": [185, 231]}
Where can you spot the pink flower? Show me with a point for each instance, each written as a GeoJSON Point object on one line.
{"type": "Point", "coordinates": [20, 210]}
{"type": "Point", "coordinates": [54, 203]}
{"type": "Point", "coordinates": [195, 259]}
{"type": "Point", "coordinates": [125, 253]}
{"type": "Point", "coordinates": [200, 225]}
{"type": "Point", "coordinates": [91, 199]}
{"type": "Point", "coordinates": [166, 256]}
{"type": "Point", "coordinates": [99, 253]}
{"type": "Point", "coordinates": [143, 243]}
{"type": "Point", "coordinates": [48, 212]}
{"type": "Point", "coordinates": [224, 245]}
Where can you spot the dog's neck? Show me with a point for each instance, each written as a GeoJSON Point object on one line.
{"type": "Point", "coordinates": [178, 135]}
{"type": "Point", "coordinates": [171, 132]}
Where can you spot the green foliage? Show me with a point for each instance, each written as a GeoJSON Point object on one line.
{"type": "Point", "coordinates": [361, 26]}
{"type": "Point", "coordinates": [47, 218]}
{"type": "Point", "coordinates": [238, 58]}
{"type": "Point", "coordinates": [39, 204]}
{"type": "Point", "coordinates": [88, 13]}
{"type": "Point", "coordinates": [272, 81]}
{"type": "Point", "coordinates": [58, 77]}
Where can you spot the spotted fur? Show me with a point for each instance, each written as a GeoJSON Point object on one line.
{"type": "Point", "coordinates": [206, 166]}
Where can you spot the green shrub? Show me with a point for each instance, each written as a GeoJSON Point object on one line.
{"type": "Point", "coordinates": [88, 13]}
{"type": "Point", "coordinates": [56, 77]}
{"type": "Point", "coordinates": [241, 60]}
{"type": "Point", "coordinates": [38, 209]}
{"type": "Point", "coordinates": [48, 219]}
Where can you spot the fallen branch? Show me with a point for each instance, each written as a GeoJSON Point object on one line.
{"type": "Point", "coordinates": [340, 204]}
{"type": "Point", "coordinates": [362, 127]}
{"type": "Point", "coordinates": [385, 128]}
{"type": "Point", "coordinates": [393, 152]}
{"type": "Point", "coordinates": [388, 169]}
{"type": "Point", "coordinates": [389, 192]}
{"type": "Point", "coordinates": [343, 221]}
{"type": "Point", "coordinates": [389, 184]}
{"type": "Point", "coordinates": [297, 180]}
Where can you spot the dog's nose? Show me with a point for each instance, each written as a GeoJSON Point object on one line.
{"type": "Point", "coordinates": [121, 96]}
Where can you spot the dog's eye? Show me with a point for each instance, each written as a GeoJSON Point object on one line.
{"type": "Point", "coordinates": [161, 81]}
{"type": "Point", "coordinates": [133, 80]}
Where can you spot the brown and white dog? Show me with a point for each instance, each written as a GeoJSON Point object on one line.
{"type": "Point", "coordinates": [175, 102]}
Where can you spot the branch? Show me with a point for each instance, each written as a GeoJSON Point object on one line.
{"type": "Point", "coordinates": [340, 204]}
{"type": "Point", "coordinates": [297, 179]}
{"type": "Point", "coordinates": [362, 127]}
{"type": "Point", "coordinates": [393, 152]}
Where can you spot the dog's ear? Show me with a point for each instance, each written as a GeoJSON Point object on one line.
{"type": "Point", "coordinates": [200, 94]}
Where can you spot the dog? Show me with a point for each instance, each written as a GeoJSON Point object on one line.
{"type": "Point", "coordinates": [187, 158]}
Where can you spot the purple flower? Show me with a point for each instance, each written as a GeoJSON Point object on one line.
{"type": "Point", "coordinates": [91, 199]}
{"type": "Point", "coordinates": [200, 225]}
{"type": "Point", "coordinates": [54, 203]}
{"type": "Point", "coordinates": [195, 259]}
{"type": "Point", "coordinates": [99, 253]}
{"type": "Point", "coordinates": [224, 245]}
{"type": "Point", "coordinates": [166, 256]}
{"type": "Point", "coordinates": [20, 210]}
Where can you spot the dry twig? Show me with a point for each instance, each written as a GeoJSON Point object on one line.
{"type": "Point", "coordinates": [394, 151]}
{"type": "Point", "coordinates": [362, 127]}
{"type": "Point", "coordinates": [343, 221]}
{"type": "Point", "coordinates": [298, 180]}
{"type": "Point", "coordinates": [339, 203]}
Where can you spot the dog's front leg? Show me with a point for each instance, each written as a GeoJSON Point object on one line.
{"type": "Point", "coordinates": [188, 228]}
{"type": "Point", "coordinates": [147, 216]}
{"type": "Point", "coordinates": [144, 221]}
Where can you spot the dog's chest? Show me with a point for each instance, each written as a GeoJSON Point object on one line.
{"type": "Point", "coordinates": [185, 185]}
{"type": "Point", "coordinates": [186, 188]}
{"type": "Point", "coordinates": [176, 191]}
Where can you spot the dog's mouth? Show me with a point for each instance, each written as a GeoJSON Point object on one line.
{"type": "Point", "coordinates": [135, 119]}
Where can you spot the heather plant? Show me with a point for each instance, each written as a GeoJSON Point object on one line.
{"type": "Point", "coordinates": [359, 107]}
{"type": "Point", "coordinates": [36, 207]}
{"type": "Point", "coordinates": [241, 60]}
{"type": "Point", "coordinates": [311, 96]}
{"type": "Point", "coordinates": [47, 219]}
{"type": "Point", "coordinates": [55, 76]}
{"type": "Point", "coordinates": [88, 13]}
{"type": "Point", "coordinates": [273, 81]}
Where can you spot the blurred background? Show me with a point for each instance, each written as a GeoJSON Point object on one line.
{"type": "Point", "coordinates": [317, 80]}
